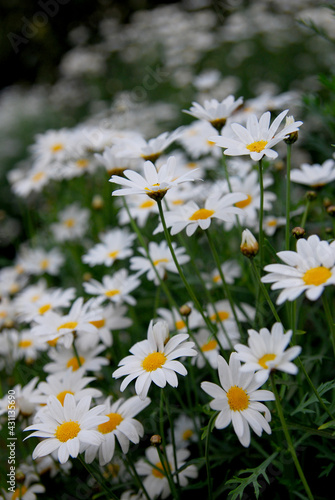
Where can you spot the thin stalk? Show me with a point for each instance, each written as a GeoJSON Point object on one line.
{"type": "Point", "coordinates": [264, 291]}
{"type": "Point", "coordinates": [289, 440]}
{"type": "Point", "coordinates": [163, 457]}
{"type": "Point", "coordinates": [304, 215]}
{"type": "Point", "coordinates": [76, 351]}
{"type": "Point", "coordinates": [224, 283]}
{"type": "Point", "coordinates": [140, 484]}
{"type": "Point", "coordinates": [180, 271]}
{"type": "Point", "coordinates": [288, 196]}
{"type": "Point", "coordinates": [261, 212]}
{"type": "Point", "coordinates": [167, 407]}
{"type": "Point", "coordinates": [224, 163]}
{"type": "Point", "coordinates": [330, 320]}
{"type": "Point", "coordinates": [208, 466]}
{"type": "Point", "coordinates": [100, 480]}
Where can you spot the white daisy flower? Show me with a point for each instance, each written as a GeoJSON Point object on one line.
{"type": "Point", "coordinates": [120, 425]}
{"type": "Point", "coordinates": [154, 360]}
{"type": "Point", "coordinates": [24, 398]}
{"type": "Point", "coordinates": [53, 145]}
{"type": "Point", "coordinates": [67, 428]}
{"type": "Point", "coordinates": [53, 326]}
{"type": "Point", "coordinates": [62, 383]}
{"type": "Point", "coordinates": [23, 182]}
{"type": "Point", "coordinates": [37, 261]}
{"type": "Point", "coordinates": [31, 304]}
{"type": "Point", "coordinates": [315, 175]}
{"type": "Point", "coordinates": [258, 138]}
{"type": "Point", "coordinates": [196, 140]}
{"type": "Point", "coordinates": [63, 358]}
{"type": "Point", "coordinates": [215, 112]}
{"type": "Point", "coordinates": [72, 225]}
{"type": "Point", "coordinates": [191, 216]}
{"type": "Point", "coordinates": [209, 347]}
{"type": "Point", "coordinates": [138, 147]}
{"type": "Point", "coordinates": [26, 345]}
{"type": "Point", "coordinates": [266, 352]}
{"type": "Point", "coordinates": [155, 183]}
{"type": "Point", "coordinates": [8, 312]}
{"type": "Point", "coordinates": [113, 163]}
{"type": "Point", "coordinates": [11, 282]}
{"type": "Point", "coordinates": [230, 270]}
{"type": "Point", "coordinates": [238, 400]}
{"type": "Point", "coordinates": [184, 431]}
{"type": "Point", "coordinates": [115, 245]}
{"type": "Point", "coordinates": [309, 269]}
{"type": "Point", "coordinates": [156, 482]}
{"type": "Point", "coordinates": [116, 288]}
{"type": "Point", "coordinates": [162, 260]}
{"type": "Point", "coordinates": [25, 491]}
{"type": "Point", "coordinates": [271, 223]}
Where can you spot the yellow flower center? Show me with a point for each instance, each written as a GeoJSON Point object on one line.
{"type": "Point", "coordinates": [238, 399]}
{"type": "Point", "coordinates": [71, 325]}
{"type": "Point", "coordinates": [191, 164]}
{"type": "Point", "coordinates": [158, 473]}
{"type": "Point", "coordinates": [14, 288]}
{"type": "Point", "coordinates": [53, 342]}
{"type": "Point", "coordinates": [69, 222]}
{"type": "Point", "coordinates": [151, 157]}
{"type": "Point", "coordinates": [112, 470]}
{"type": "Point", "coordinates": [73, 363]}
{"type": "Point", "coordinates": [114, 254]}
{"type": "Point", "coordinates": [209, 346]}
{"type": "Point", "coordinates": [19, 492]}
{"type": "Point", "coordinates": [220, 316]}
{"type": "Point", "coordinates": [112, 293]}
{"type": "Point", "coordinates": [3, 314]}
{"type": "Point", "coordinates": [147, 204]}
{"type": "Point", "coordinates": [56, 147]}
{"type": "Point", "coordinates": [61, 396]}
{"type": "Point", "coordinates": [202, 213]}
{"type": "Point", "coordinates": [25, 343]}
{"type": "Point", "coordinates": [178, 202]}
{"type": "Point", "coordinates": [244, 203]}
{"type": "Point", "coordinates": [187, 434]}
{"type": "Point", "coordinates": [44, 309]}
{"type": "Point", "coordinates": [272, 223]}
{"type": "Point", "coordinates": [66, 431]}
{"type": "Point", "coordinates": [158, 261]}
{"type": "Point", "coordinates": [38, 177]}
{"type": "Point", "coordinates": [317, 276]}
{"type": "Point", "coordinates": [217, 278]}
{"type": "Point", "coordinates": [114, 420]}
{"type": "Point", "coordinates": [180, 324]}
{"type": "Point", "coordinates": [264, 359]}
{"type": "Point", "coordinates": [99, 323]}
{"type": "Point", "coordinates": [210, 143]}
{"type": "Point", "coordinates": [153, 361]}
{"type": "Point", "coordinates": [44, 263]}
{"type": "Point", "coordinates": [256, 147]}
{"type": "Point", "coordinates": [82, 163]}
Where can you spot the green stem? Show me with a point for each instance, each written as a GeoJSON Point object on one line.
{"type": "Point", "coordinates": [261, 212]}
{"type": "Point", "coordinates": [208, 466]}
{"type": "Point", "coordinates": [330, 320]}
{"type": "Point", "coordinates": [167, 407]}
{"type": "Point", "coordinates": [224, 283]}
{"type": "Point", "coordinates": [264, 291]}
{"type": "Point", "coordinates": [163, 456]}
{"type": "Point", "coordinates": [100, 480]}
{"type": "Point", "coordinates": [136, 476]}
{"type": "Point", "coordinates": [180, 271]}
{"type": "Point", "coordinates": [76, 351]}
{"type": "Point", "coordinates": [288, 196]}
{"type": "Point", "coordinates": [289, 440]}
{"type": "Point", "coordinates": [304, 216]}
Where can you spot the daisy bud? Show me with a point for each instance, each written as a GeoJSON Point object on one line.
{"type": "Point", "coordinates": [327, 202]}
{"type": "Point", "coordinates": [185, 310]}
{"type": "Point", "coordinates": [293, 136]}
{"type": "Point", "coordinates": [311, 195]}
{"type": "Point", "coordinates": [331, 210]}
{"type": "Point", "coordinates": [20, 477]}
{"type": "Point", "coordinates": [249, 246]}
{"type": "Point", "coordinates": [87, 276]}
{"type": "Point", "coordinates": [298, 232]}
{"type": "Point", "coordinates": [155, 440]}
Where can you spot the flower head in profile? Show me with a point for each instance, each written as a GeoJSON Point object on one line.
{"type": "Point", "coordinates": [67, 427]}
{"type": "Point", "coordinates": [309, 269]}
{"type": "Point", "coordinates": [154, 360]}
{"type": "Point", "coordinates": [238, 400]}
{"type": "Point", "coordinates": [215, 112]}
{"type": "Point", "coordinates": [154, 184]}
{"type": "Point", "coordinates": [266, 351]}
{"type": "Point", "coordinates": [257, 138]}
{"type": "Point", "coordinates": [315, 175]}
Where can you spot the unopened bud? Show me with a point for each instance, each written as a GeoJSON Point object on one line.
{"type": "Point", "coordinates": [97, 202]}
{"type": "Point", "coordinates": [87, 276]}
{"type": "Point", "coordinates": [311, 195]}
{"type": "Point", "coordinates": [331, 210]}
{"type": "Point", "coordinates": [293, 136]}
{"type": "Point", "coordinates": [20, 477]}
{"type": "Point", "coordinates": [327, 202]}
{"type": "Point", "coordinates": [185, 310]}
{"type": "Point", "coordinates": [298, 232]}
{"type": "Point", "coordinates": [249, 246]}
{"type": "Point", "coordinates": [155, 440]}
